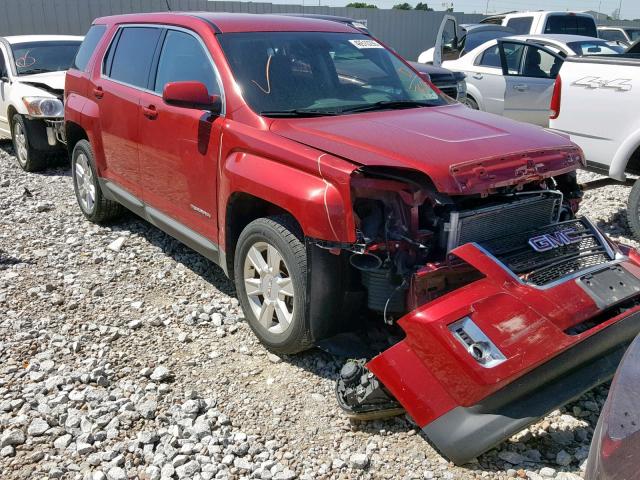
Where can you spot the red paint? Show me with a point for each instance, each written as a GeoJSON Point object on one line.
{"type": "Point", "coordinates": [527, 323]}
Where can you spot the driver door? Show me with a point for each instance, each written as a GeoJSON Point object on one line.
{"type": "Point", "coordinates": [446, 47]}
{"type": "Point", "coordinates": [5, 129]}
{"type": "Point", "coordinates": [530, 71]}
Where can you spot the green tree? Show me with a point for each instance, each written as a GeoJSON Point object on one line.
{"type": "Point", "coordinates": [423, 6]}
{"type": "Point", "coordinates": [403, 6]}
{"type": "Point", "coordinates": [360, 5]}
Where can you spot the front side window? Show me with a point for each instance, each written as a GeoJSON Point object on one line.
{"type": "Point", "coordinates": [571, 25]}
{"type": "Point", "coordinates": [131, 54]}
{"type": "Point", "coordinates": [88, 46]}
{"type": "Point", "coordinates": [530, 61]}
{"type": "Point", "coordinates": [521, 25]}
{"type": "Point", "coordinates": [44, 56]}
{"type": "Point", "coordinates": [182, 59]}
{"type": "Point", "coordinates": [318, 72]}
{"type": "Point", "coordinates": [3, 65]}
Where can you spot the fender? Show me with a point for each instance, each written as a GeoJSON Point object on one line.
{"type": "Point", "coordinates": [85, 113]}
{"type": "Point", "coordinates": [320, 203]}
{"type": "Point", "coordinates": [622, 156]}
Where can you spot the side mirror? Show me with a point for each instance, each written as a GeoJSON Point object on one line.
{"type": "Point", "coordinates": [4, 78]}
{"type": "Point", "coordinates": [191, 95]}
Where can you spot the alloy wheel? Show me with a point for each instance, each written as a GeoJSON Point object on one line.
{"type": "Point", "coordinates": [85, 183]}
{"type": "Point", "coordinates": [269, 287]}
{"type": "Point", "coordinates": [21, 143]}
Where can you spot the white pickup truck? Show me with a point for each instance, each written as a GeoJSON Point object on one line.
{"type": "Point", "coordinates": [596, 101]}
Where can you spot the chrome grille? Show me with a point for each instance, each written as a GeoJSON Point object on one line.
{"type": "Point", "coordinates": [541, 268]}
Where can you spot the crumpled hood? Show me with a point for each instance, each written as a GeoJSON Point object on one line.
{"type": "Point", "coordinates": [52, 82]}
{"type": "Point", "coordinates": [461, 150]}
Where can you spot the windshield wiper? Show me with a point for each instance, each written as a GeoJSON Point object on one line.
{"type": "Point", "coordinates": [298, 113]}
{"type": "Point", "coordinates": [34, 70]}
{"type": "Point", "coordinates": [386, 104]}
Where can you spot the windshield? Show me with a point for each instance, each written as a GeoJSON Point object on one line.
{"type": "Point", "coordinates": [634, 33]}
{"type": "Point", "coordinates": [45, 56]}
{"type": "Point", "coordinates": [321, 73]}
{"type": "Point", "coordinates": [592, 48]}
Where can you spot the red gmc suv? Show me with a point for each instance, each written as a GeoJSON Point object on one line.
{"type": "Point", "coordinates": [342, 192]}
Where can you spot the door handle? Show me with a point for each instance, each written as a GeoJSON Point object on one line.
{"type": "Point", "coordinates": [98, 92]}
{"type": "Point", "coordinates": [150, 112]}
{"type": "Point", "coordinates": [477, 76]}
{"type": "Point", "coordinates": [521, 87]}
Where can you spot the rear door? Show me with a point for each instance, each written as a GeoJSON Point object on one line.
{"type": "Point", "coordinates": [117, 90]}
{"type": "Point", "coordinates": [485, 80]}
{"type": "Point", "coordinates": [179, 146]}
{"type": "Point", "coordinates": [529, 71]}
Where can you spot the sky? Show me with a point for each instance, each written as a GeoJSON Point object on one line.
{"type": "Point", "coordinates": [630, 8]}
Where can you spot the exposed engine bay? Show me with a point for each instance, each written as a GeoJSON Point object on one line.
{"type": "Point", "coordinates": [406, 231]}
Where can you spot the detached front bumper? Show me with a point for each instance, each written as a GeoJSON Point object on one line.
{"type": "Point", "coordinates": [465, 432]}
{"type": "Point", "coordinates": [551, 344]}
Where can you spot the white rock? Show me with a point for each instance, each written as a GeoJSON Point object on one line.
{"type": "Point", "coordinates": [117, 244]}
{"type": "Point", "coordinates": [12, 437]}
{"type": "Point", "coordinates": [359, 461]}
{"type": "Point", "coordinates": [116, 473]}
{"type": "Point", "coordinates": [160, 374]}
{"type": "Point", "coordinates": [37, 427]}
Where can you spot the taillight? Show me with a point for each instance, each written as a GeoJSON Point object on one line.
{"type": "Point", "coordinates": [554, 108]}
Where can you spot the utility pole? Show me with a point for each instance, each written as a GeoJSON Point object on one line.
{"type": "Point", "coordinates": [620, 10]}
{"type": "Point", "coordinates": [486, 10]}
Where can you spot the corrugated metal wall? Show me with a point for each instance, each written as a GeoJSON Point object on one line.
{"type": "Point", "coordinates": [408, 32]}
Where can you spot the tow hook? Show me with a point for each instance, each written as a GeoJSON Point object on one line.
{"type": "Point", "coordinates": [361, 394]}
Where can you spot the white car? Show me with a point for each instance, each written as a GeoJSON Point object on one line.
{"type": "Point", "coordinates": [596, 101]}
{"type": "Point", "coordinates": [450, 41]}
{"type": "Point", "coordinates": [514, 76]}
{"type": "Point", "coordinates": [624, 35]}
{"type": "Point", "coordinates": [32, 71]}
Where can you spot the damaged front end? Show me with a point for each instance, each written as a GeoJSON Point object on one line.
{"type": "Point", "coordinates": [502, 304]}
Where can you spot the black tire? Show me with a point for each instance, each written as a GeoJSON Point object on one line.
{"type": "Point", "coordinates": [471, 103]}
{"type": "Point", "coordinates": [101, 209]}
{"type": "Point", "coordinates": [29, 159]}
{"type": "Point", "coordinates": [282, 233]}
{"type": "Point", "coordinates": [633, 210]}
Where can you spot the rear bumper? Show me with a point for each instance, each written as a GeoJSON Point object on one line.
{"type": "Point", "coordinates": [465, 432]}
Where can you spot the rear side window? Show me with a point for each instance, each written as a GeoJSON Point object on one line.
{"type": "Point", "coordinates": [88, 46]}
{"type": "Point", "coordinates": [571, 25]}
{"type": "Point", "coordinates": [612, 35]}
{"type": "Point", "coordinates": [521, 25]}
{"type": "Point", "coordinates": [182, 59]}
{"type": "Point", "coordinates": [490, 58]}
{"type": "Point", "coordinates": [131, 54]}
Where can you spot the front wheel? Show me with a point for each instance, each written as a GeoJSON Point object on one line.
{"type": "Point", "coordinates": [633, 210]}
{"type": "Point", "coordinates": [92, 202]}
{"type": "Point", "coordinates": [270, 270]}
{"type": "Point", "coordinates": [29, 159]}
{"type": "Point", "coordinates": [470, 102]}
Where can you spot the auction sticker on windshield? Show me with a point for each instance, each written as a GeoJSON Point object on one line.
{"type": "Point", "coordinates": [365, 44]}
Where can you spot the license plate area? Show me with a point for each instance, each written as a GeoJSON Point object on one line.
{"type": "Point", "coordinates": [609, 286]}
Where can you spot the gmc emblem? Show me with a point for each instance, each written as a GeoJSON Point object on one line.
{"type": "Point", "coordinates": [549, 241]}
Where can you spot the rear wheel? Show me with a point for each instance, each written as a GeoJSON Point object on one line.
{"type": "Point", "coordinates": [92, 202]}
{"type": "Point", "coordinates": [633, 210]}
{"type": "Point", "coordinates": [29, 159]}
{"type": "Point", "coordinates": [270, 269]}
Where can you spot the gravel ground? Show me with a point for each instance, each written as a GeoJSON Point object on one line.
{"type": "Point", "coordinates": [125, 355]}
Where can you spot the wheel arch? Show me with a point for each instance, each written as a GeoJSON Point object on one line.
{"type": "Point", "coordinates": [626, 158]}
